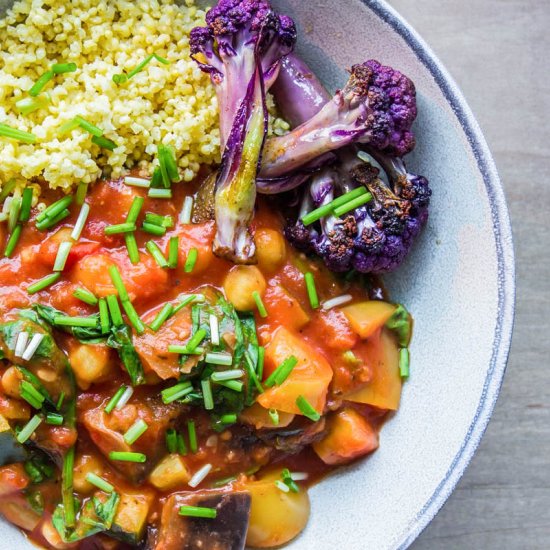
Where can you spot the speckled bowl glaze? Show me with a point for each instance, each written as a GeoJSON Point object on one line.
{"type": "Point", "coordinates": [458, 282]}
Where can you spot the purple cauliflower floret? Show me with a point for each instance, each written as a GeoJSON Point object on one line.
{"type": "Point", "coordinates": [377, 106]}
{"type": "Point", "coordinates": [376, 236]}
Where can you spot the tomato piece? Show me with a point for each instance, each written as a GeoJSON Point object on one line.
{"type": "Point", "coordinates": [284, 308]}
{"type": "Point", "coordinates": [333, 329]}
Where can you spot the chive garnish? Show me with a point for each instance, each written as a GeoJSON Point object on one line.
{"type": "Point", "coordinates": [14, 209]}
{"type": "Point", "coordinates": [132, 247]}
{"type": "Point", "coordinates": [135, 209]}
{"type": "Point", "coordinates": [171, 440]}
{"type": "Point", "coordinates": [187, 300]}
{"type": "Point", "coordinates": [176, 392]}
{"type": "Point", "coordinates": [259, 304]}
{"type": "Point", "coordinates": [207, 394]}
{"type": "Point", "coordinates": [133, 316]}
{"type": "Point", "coordinates": [260, 365]}
{"type": "Point", "coordinates": [137, 182]}
{"type": "Point", "coordinates": [88, 126]}
{"type": "Point", "coordinates": [191, 260]}
{"type": "Point", "coordinates": [164, 314]}
{"type": "Point", "coordinates": [153, 229]}
{"type": "Point", "coordinates": [311, 290]}
{"type": "Point", "coordinates": [227, 375]}
{"type": "Point", "coordinates": [59, 403]}
{"type": "Point", "coordinates": [186, 211]}
{"type": "Point", "coordinates": [214, 330]}
{"type": "Point", "coordinates": [198, 512]}
{"type": "Point", "coordinates": [61, 68]}
{"type": "Point", "coordinates": [68, 321]}
{"type": "Point", "coordinates": [138, 428]}
{"type": "Point", "coordinates": [31, 394]}
{"type": "Point", "coordinates": [181, 447]}
{"type": "Point", "coordinates": [404, 362]}
{"type": "Point", "coordinates": [307, 410]}
{"type": "Point", "coordinates": [157, 219]}
{"type": "Point", "coordinates": [99, 482]}
{"type": "Point", "coordinates": [26, 203]}
{"type": "Point", "coordinates": [157, 254]}
{"type": "Point", "coordinates": [119, 228]}
{"type": "Point", "coordinates": [18, 135]}
{"type": "Point", "coordinates": [38, 86]}
{"type": "Point", "coordinates": [81, 192]}
{"type": "Point", "coordinates": [281, 373]}
{"type": "Point", "coordinates": [160, 193]}
{"type": "Point", "coordinates": [62, 254]}
{"type": "Point", "coordinates": [29, 105]}
{"type": "Point", "coordinates": [173, 251]}
{"type": "Point", "coordinates": [54, 419]}
{"type": "Point", "coordinates": [68, 126]}
{"type": "Point", "coordinates": [192, 433]}
{"type": "Point", "coordinates": [48, 223]}
{"type": "Point", "coordinates": [80, 222]}
{"type": "Point", "coordinates": [34, 403]}
{"type": "Point", "coordinates": [196, 339]}
{"type": "Point", "coordinates": [184, 350]}
{"type": "Point", "coordinates": [274, 415]}
{"type": "Point", "coordinates": [43, 283]}
{"type": "Point", "coordinates": [327, 209]}
{"type": "Point", "coordinates": [55, 208]}
{"type": "Point", "coordinates": [29, 428]}
{"type": "Point", "coordinates": [233, 385]}
{"type": "Point", "coordinates": [122, 78]}
{"type": "Point", "coordinates": [114, 310]}
{"type": "Point", "coordinates": [228, 418]}
{"type": "Point", "coordinates": [127, 456]}
{"type": "Point", "coordinates": [84, 295]}
{"type": "Point", "coordinates": [104, 321]}
{"type": "Point", "coordinates": [13, 240]}
{"type": "Point", "coordinates": [352, 205]}
{"type": "Point", "coordinates": [219, 358]}
{"type": "Point", "coordinates": [104, 142]}
{"type": "Point", "coordinates": [9, 186]}
{"type": "Point", "coordinates": [114, 400]}
{"type": "Point", "coordinates": [119, 284]}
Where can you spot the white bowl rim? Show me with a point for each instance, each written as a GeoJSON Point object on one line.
{"type": "Point", "coordinates": [505, 264]}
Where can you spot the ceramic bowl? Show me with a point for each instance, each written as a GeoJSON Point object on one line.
{"type": "Point", "coordinates": [458, 282]}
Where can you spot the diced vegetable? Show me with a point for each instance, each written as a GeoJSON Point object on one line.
{"type": "Point", "coordinates": [85, 464]}
{"type": "Point", "coordinates": [367, 317]}
{"type": "Point", "coordinates": [91, 364]}
{"type": "Point", "coordinates": [349, 436]}
{"type": "Point", "coordinates": [384, 389]}
{"type": "Point", "coordinates": [131, 517]}
{"type": "Point", "coordinates": [310, 378]}
{"type": "Point", "coordinates": [171, 472]}
{"type": "Point", "coordinates": [285, 306]}
{"type": "Point", "coordinates": [239, 285]}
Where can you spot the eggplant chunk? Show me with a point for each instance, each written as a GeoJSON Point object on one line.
{"type": "Point", "coordinates": [226, 532]}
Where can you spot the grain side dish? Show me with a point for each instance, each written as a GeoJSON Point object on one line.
{"type": "Point", "coordinates": [193, 327]}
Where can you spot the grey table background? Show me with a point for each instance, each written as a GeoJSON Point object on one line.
{"type": "Point", "coordinates": [499, 53]}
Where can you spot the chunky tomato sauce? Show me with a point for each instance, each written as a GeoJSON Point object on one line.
{"type": "Point", "coordinates": [346, 371]}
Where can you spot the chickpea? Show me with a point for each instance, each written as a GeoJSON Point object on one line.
{"type": "Point", "coordinates": [270, 249]}
{"type": "Point", "coordinates": [239, 285]}
{"type": "Point", "coordinates": [91, 364]}
{"type": "Point", "coordinates": [83, 465]}
{"type": "Point", "coordinates": [11, 382]}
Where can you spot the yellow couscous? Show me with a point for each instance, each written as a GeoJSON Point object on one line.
{"type": "Point", "coordinates": [170, 103]}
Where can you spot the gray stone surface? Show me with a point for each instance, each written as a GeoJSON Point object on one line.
{"type": "Point", "coordinates": [499, 53]}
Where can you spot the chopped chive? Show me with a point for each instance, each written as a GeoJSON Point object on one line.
{"type": "Point", "coordinates": [114, 310]}
{"type": "Point", "coordinates": [260, 365]}
{"type": "Point", "coordinates": [62, 254]}
{"type": "Point", "coordinates": [180, 445]}
{"type": "Point", "coordinates": [207, 394]}
{"type": "Point", "coordinates": [251, 371]}
{"type": "Point", "coordinates": [337, 301]}
{"type": "Point", "coordinates": [214, 330]}
{"type": "Point", "coordinates": [127, 456]}
{"type": "Point", "coordinates": [184, 350]}
{"type": "Point", "coordinates": [114, 400]}
{"type": "Point", "coordinates": [18, 135]}
{"type": "Point", "coordinates": [140, 66]}
{"type": "Point", "coordinates": [168, 165]}
{"type": "Point", "coordinates": [33, 392]}
{"type": "Point", "coordinates": [13, 240]}
{"type": "Point", "coordinates": [352, 205]}
{"type": "Point", "coordinates": [48, 223]}
{"type": "Point", "coordinates": [233, 385]}
{"type": "Point", "coordinates": [14, 209]}
{"type": "Point", "coordinates": [157, 219]}
{"type": "Point", "coordinates": [404, 362]}
{"type": "Point", "coordinates": [126, 227]}
{"type": "Point", "coordinates": [311, 290]}
{"type": "Point", "coordinates": [55, 208]}
{"type": "Point", "coordinates": [192, 433]}
{"type": "Point", "coordinates": [161, 155]}
{"type": "Point", "coordinates": [29, 428]}
{"type": "Point", "coordinates": [9, 186]}
{"type": "Point", "coordinates": [156, 252]}
{"type": "Point", "coordinates": [136, 430]}
{"type": "Point", "coordinates": [104, 321]}
{"type": "Point", "coordinates": [29, 105]}
{"type": "Point", "coordinates": [281, 373]}
{"type": "Point", "coordinates": [84, 295]}
{"type": "Point", "coordinates": [171, 440]}
{"type": "Point", "coordinates": [80, 221]}
{"type": "Point", "coordinates": [164, 314]}
{"type": "Point", "coordinates": [199, 476]}
{"type": "Point", "coordinates": [59, 403]}
{"type": "Point", "coordinates": [187, 300]}
{"type": "Point", "coordinates": [128, 392]}
{"type": "Point", "coordinates": [61, 68]}
{"type": "Point", "coordinates": [88, 126]}
{"type": "Point", "coordinates": [133, 316]}
{"type": "Point", "coordinates": [228, 418]}
{"type": "Point", "coordinates": [196, 339]}
{"type": "Point", "coordinates": [135, 209]}
{"type": "Point", "coordinates": [118, 282]}
{"type": "Point", "coordinates": [34, 344]}
{"type": "Point", "coordinates": [41, 284]}
{"type": "Point", "coordinates": [38, 86]}
{"type": "Point", "coordinates": [173, 251]}
{"type": "Point", "coordinates": [259, 304]}
{"type": "Point", "coordinates": [186, 211]}
{"type": "Point", "coordinates": [120, 78]}
{"type": "Point", "coordinates": [327, 209]}
{"type": "Point", "coordinates": [160, 193]}
{"type": "Point", "coordinates": [198, 512]}
{"type": "Point", "coordinates": [30, 399]}
{"type": "Point", "coordinates": [137, 182]}
{"type": "Point", "coordinates": [132, 247]}
{"type": "Point", "coordinates": [156, 178]}
{"type": "Point", "coordinates": [307, 410]}
{"type": "Point", "coordinates": [153, 229]}
{"type": "Point", "coordinates": [274, 415]}
{"type": "Point", "coordinates": [226, 375]}
{"type": "Point", "coordinates": [104, 142]}
{"type": "Point", "coordinates": [54, 419]}
{"type": "Point", "coordinates": [176, 392]}
{"type": "Point", "coordinates": [282, 486]}
{"type": "Point", "coordinates": [161, 59]}
{"type": "Point", "coordinates": [21, 343]}
{"type": "Point", "coordinates": [220, 358]}
{"type": "Point", "coordinates": [67, 321]}
{"type": "Point", "coordinates": [81, 192]}
{"type": "Point", "coordinates": [99, 482]}
{"type": "Point", "coordinates": [68, 126]}
{"type": "Point", "coordinates": [26, 203]}
{"type": "Point", "coordinates": [224, 481]}
{"type": "Point", "coordinates": [191, 260]}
